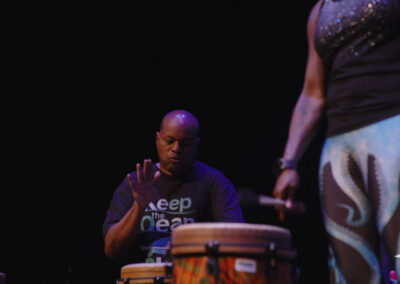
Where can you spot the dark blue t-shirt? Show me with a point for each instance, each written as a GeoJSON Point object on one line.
{"type": "Point", "coordinates": [204, 195]}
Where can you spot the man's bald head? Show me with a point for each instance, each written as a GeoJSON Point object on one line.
{"type": "Point", "coordinates": [181, 117]}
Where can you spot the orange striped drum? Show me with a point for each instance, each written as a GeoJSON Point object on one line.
{"type": "Point", "coordinates": [231, 253]}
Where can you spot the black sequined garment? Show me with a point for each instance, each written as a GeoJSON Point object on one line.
{"type": "Point", "coordinates": [349, 28]}
{"type": "Point", "coordinates": [359, 42]}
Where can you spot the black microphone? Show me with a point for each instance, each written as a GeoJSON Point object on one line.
{"type": "Point", "coordinates": [250, 199]}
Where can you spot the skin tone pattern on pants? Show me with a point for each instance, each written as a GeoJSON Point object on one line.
{"type": "Point", "coordinates": [360, 194]}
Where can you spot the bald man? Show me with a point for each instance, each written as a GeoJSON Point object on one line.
{"type": "Point", "coordinates": [156, 198]}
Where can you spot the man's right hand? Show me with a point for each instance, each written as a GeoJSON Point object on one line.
{"type": "Point", "coordinates": [285, 188]}
{"type": "Point", "coordinates": [144, 189]}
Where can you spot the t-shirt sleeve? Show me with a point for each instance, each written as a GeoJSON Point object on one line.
{"type": "Point", "coordinates": [225, 204]}
{"type": "Point", "coordinates": [121, 202]}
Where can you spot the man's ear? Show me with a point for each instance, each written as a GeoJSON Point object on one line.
{"type": "Point", "coordinates": [157, 136]}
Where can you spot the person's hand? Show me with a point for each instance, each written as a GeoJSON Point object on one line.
{"type": "Point", "coordinates": [285, 188]}
{"type": "Point", "coordinates": [145, 189]}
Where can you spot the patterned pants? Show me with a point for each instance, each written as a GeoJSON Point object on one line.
{"type": "Point", "coordinates": [360, 193]}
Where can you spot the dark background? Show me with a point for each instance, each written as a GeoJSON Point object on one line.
{"type": "Point", "coordinates": [83, 88]}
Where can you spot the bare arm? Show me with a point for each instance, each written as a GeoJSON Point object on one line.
{"type": "Point", "coordinates": [309, 106]}
{"type": "Point", "coordinates": [306, 115]}
{"type": "Point", "coordinates": [124, 233]}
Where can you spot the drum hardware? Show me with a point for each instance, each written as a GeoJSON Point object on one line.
{"type": "Point", "coordinates": [158, 280]}
{"type": "Point", "coordinates": [168, 268]}
{"type": "Point", "coordinates": [155, 280]}
{"type": "Point", "coordinates": [271, 259]}
{"type": "Point", "coordinates": [212, 261]}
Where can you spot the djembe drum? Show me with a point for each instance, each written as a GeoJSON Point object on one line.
{"type": "Point", "coordinates": [231, 253]}
{"type": "Point", "coordinates": [146, 273]}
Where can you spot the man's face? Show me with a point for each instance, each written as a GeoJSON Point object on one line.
{"type": "Point", "coordinates": [177, 144]}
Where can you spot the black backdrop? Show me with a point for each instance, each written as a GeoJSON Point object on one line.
{"type": "Point", "coordinates": [84, 86]}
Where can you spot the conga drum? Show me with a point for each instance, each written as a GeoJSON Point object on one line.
{"type": "Point", "coordinates": [231, 253]}
{"type": "Point", "coordinates": [146, 273]}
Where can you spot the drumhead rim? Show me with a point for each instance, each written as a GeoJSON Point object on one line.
{"type": "Point", "coordinates": [231, 225]}
{"type": "Point", "coordinates": [147, 265]}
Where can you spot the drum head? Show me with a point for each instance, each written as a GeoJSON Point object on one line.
{"type": "Point", "coordinates": [231, 237]}
{"type": "Point", "coordinates": [145, 270]}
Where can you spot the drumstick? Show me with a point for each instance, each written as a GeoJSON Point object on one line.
{"type": "Point", "coordinates": [270, 201]}
{"type": "Point", "coordinates": [248, 198]}
{"type": "Point", "coordinates": [297, 207]}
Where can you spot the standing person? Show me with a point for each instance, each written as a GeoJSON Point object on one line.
{"type": "Point", "coordinates": [156, 198]}
{"type": "Point", "coordinates": [353, 77]}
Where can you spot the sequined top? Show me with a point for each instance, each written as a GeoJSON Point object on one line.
{"type": "Point", "coordinates": [359, 42]}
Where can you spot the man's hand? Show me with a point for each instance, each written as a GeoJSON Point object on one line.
{"type": "Point", "coordinates": [145, 189]}
{"type": "Point", "coordinates": [285, 188]}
